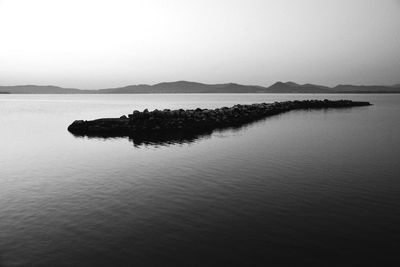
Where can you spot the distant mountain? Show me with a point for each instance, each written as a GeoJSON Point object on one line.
{"type": "Point", "coordinates": [184, 87]}
{"type": "Point", "coordinates": [38, 89]}
{"type": "Point", "coordinates": [291, 87]}
{"type": "Point", "coordinates": [366, 89]}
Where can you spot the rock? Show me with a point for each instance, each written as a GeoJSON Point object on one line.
{"type": "Point", "coordinates": [195, 121]}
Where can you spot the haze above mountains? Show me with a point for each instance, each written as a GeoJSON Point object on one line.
{"type": "Point", "coordinates": [183, 87]}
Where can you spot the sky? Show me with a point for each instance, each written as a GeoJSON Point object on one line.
{"type": "Point", "coordinates": [95, 44]}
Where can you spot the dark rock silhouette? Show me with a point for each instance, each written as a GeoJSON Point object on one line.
{"type": "Point", "coordinates": [177, 126]}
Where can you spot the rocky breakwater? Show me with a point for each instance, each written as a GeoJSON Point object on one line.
{"type": "Point", "coordinates": [195, 121]}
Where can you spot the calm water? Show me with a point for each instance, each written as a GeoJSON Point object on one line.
{"type": "Point", "coordinates": [305, 187]}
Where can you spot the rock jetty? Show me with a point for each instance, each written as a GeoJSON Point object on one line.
{"type": "Point", "coordinates": [166, 122]}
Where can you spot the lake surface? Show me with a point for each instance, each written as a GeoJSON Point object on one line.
{"type": "Point", "coordinates": [301, 188]}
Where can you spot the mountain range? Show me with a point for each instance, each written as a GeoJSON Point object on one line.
{"type": "Point", "coordinates": [184, 87]}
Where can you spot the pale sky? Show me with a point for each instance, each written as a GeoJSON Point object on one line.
{"type": "Point", "coordinates": [111, 43]}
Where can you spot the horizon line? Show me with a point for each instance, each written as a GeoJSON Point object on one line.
{"type": "Point", "coordinates": [186, 81]}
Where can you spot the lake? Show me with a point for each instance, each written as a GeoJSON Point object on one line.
{"type": "Point", "coordinates": [317, 187]}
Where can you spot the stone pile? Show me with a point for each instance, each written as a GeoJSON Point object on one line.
{"type": "Point", "coordinates": [195, 120]}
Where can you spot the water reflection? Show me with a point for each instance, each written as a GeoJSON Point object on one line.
{"type": "Point", "coordinates": [320, 185]}
{"type": "Point", "coordinates": [173, 137]}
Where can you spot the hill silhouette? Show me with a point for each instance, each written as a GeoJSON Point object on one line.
{"type": "Point", "coordinates": [185, 87]}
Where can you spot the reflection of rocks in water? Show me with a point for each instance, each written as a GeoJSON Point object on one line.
{"type": "Point", "coordinates": [178, 137]}
{"type": "Point", "coordinates": [165, 139]}
{"type": "Point", "coordinates": [185, 126]}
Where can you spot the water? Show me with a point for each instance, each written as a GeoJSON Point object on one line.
{"type": "Point", "coordinates": [301, 188]}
